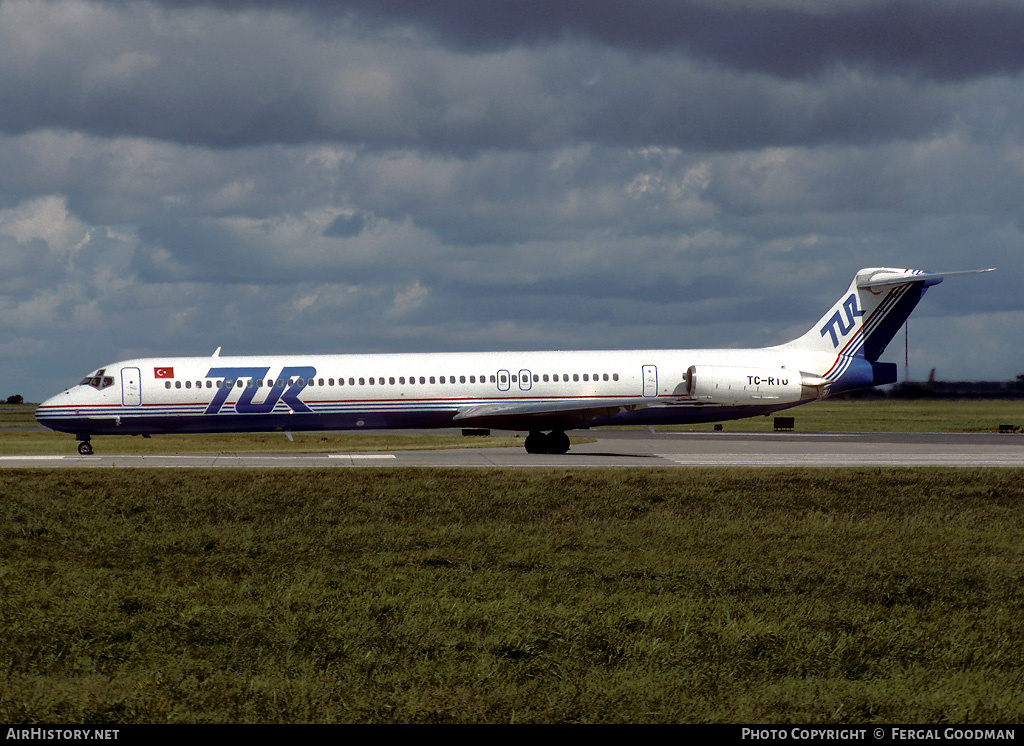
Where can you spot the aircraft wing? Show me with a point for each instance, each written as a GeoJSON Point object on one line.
{"type": "Point", "coordinates": [551, 413]}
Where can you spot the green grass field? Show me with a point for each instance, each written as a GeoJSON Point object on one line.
{"type": "Point", "coordinates": [750, 596]}
{"type": "Point", "coordinates": [898, 415]}
{"type": "Point", "coordinates": [710, 595]}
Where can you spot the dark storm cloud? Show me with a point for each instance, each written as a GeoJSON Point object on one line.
{"type": "Point", "coordinates": [346, 226]}
{"type": "Point", "coordinates": [389, 176]}
{"type": "Point", "coordinates": [949, 40]}
{"type": "Point", "coordinates": [195, 77]}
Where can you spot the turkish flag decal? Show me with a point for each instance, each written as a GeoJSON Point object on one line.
{"type": "Point", "coordinates": [163, 372]}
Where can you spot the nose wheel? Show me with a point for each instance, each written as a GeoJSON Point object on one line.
{"type": "Point", "coordinates": [85, 448]}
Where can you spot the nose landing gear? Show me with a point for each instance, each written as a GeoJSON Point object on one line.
{"type": "Point", "coordinates": [556, 442]}
{"type": "Point", "coordinates": [85, 446]}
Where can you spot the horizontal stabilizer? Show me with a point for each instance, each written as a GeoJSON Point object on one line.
{"type": "Point", "coordinates": [884, 278]}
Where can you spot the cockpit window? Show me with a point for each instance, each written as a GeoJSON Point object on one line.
{"type": "Point", "coordinates": [97, 380]}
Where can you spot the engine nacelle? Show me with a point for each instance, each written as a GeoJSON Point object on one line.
{"type": "Point", "coordinates": [723, 384]}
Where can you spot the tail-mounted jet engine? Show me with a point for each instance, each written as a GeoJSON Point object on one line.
{"type": "Point", "coordinates": [723, 384]}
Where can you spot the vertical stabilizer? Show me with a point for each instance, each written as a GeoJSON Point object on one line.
{"type": "Point", "coordinates": [870, 313]}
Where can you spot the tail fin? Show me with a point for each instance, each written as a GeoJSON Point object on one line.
{"type": "Point", "coordinates": [868, 315]}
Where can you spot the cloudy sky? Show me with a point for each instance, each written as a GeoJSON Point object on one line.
{"type": "Point", "coordinates": [430, 175]}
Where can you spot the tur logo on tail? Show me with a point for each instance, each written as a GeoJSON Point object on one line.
{"type": "Point", "coordinates": [844, 325]}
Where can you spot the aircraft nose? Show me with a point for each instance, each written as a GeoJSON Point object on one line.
{"type": "Point", "coordinates": [47, 412]}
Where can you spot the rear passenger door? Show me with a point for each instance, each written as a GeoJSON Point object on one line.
{"type": "Point", "coordinates": [650, 376]}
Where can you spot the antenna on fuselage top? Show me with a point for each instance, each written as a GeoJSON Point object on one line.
{"type": "Point", "coordinates": [216, 353]}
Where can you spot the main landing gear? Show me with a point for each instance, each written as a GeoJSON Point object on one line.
{"type": "Point", "coordinates": [85, 446]}
{"type": "Point", "coordinates": [554, 442]}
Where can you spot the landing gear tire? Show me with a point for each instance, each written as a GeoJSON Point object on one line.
{"type": "Point", "coordinates": [555, 442]}
{"type": "Point", "coordinates": [534, 443]}
{"type": "Point", "coordinates": [559, 442]}
{"type": "Point", "coordinates": [85, 448]}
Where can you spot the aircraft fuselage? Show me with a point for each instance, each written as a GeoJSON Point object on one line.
{"type": "Point", "coordinates": [533, 391]}
{"type": "Point", "coordinates": [349, 392]}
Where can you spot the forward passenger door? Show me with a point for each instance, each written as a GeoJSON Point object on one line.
{"type": "Point", "coordinates": [131, 387]}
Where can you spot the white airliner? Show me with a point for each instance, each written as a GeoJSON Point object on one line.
{"type": "Point", "coordinates": [543, 393]}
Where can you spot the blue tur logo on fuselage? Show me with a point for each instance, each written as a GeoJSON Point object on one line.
{"type": "Point", "coordinates": [285, 388]}
{"type": "Point", "coordinates": [842, 321]}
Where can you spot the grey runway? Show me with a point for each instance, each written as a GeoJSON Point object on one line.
{"type": "Point", "coordinates": [619, 449]}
